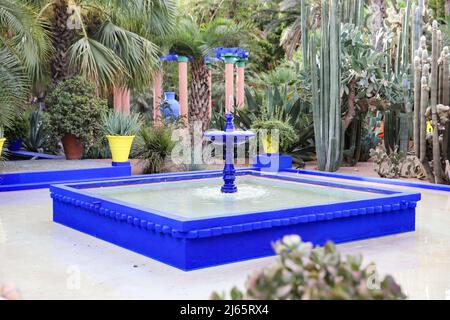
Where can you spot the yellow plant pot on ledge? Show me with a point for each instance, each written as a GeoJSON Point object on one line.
{"type": "Point", "coordinates": [2, 141]}
{"type": "Point", "coordinates": [120, 147]}
{"type": "Point", "coordinates": [268, 146]}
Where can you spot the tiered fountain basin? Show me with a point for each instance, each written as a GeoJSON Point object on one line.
{"type": "Point", "coordinates": [184, 220]}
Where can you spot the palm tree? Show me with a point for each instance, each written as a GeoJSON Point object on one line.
{"type": "Point", "coordinates": [196, 41]}
{"type": "Point", "coordinates": [110, 42]}
{"type": "Point", "coordinates": [23, 49]}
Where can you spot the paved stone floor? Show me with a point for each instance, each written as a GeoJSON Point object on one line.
{"type": "Point", "coordinates": [47, 260]}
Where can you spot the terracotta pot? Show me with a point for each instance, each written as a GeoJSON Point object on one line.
{"type": "Point", "coordinates": [72, 147]}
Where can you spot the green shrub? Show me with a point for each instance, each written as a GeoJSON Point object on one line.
{"type": "Point", "coordinates": [303, 272]}
{"type": "Point", "coordinates": [152, 147]}
{"type": "Point", "coordinates": [121, 124]}
{"type": "Point", "coordinates": [286, 133]}
{"type": "Point", "coordinates": [73, 107]}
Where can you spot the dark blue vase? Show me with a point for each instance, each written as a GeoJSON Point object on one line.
{"type": "Point", "coordinates": [170, 108]}
{"type": "Point", "coordinates": [15, 145]}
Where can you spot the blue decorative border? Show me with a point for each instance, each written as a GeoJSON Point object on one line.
{"type": "Point", "coordinates": [190, 244]}
{"type": "Point", "coordinates": [180, 227]}
{"type": "Point", "coordinates": [418, 185]}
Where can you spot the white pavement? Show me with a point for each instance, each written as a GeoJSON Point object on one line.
{"type": "Point", "coordinates": [49, 261]}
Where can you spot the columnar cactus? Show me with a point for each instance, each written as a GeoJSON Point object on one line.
{"type": "Point", "coordinates": [424, 93]}
{"type": "Point", "coordinates": [417, 88]}
{"type": "Point", "coordinates": [446, 102]}
{"type": "Point", "coordinates": [431, 102]}
{"type": "Point", "coordinates": [327, 105]}
{"type": "Point", "coordinates": [304, 30]}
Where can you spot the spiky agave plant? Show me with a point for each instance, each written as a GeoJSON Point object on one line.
{"type": "Point", "coordinates": [121, 124]}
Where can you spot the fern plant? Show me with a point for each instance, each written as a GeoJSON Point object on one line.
{"type": "Point", "coordinates": [121, 124]}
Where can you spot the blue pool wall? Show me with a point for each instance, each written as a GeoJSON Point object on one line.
{"type": "Point", "coordinates": [43, 179]}
{"type": "Point", "coordinates": [350, 177]}
{"type": "Point", "coordinates": [192, 244]}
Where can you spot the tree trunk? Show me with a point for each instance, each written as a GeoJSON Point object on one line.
{"type": "Point", "coordinates": [378, 10]}
{"type": "Point", "coordinates": [62, 37]}
{"type": "Point", "coordinates": [199, 94]}
{"type": "Point", "coordinates": [351, 105]}
{"type": "Point", "coordinates": [232, 9]}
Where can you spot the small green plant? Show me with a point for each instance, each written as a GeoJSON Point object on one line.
{"type": "Point", "coordinates": [73, 107]}
{"type": "Point", "coordinates": [302, 272]}
{"type": "Point", "coordinates": [152, 147]}
{"type": "Point", "coordinates": [121, 124]}
{"type": "Point", "coordinates": [286, 133]}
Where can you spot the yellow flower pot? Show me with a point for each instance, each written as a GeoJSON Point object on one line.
{"type": "Point", "coordinates": [268, 146]}
{"type": "Point", "coordinates": [2, 141]}
{"type": "Point", "coordinates": [120, 147]}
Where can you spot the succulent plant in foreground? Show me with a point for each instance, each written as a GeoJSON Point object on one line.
{"type": "Point", "coordinates": [306, 272]}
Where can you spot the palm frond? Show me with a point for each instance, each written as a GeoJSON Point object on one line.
{"type": "Point", "coordinates": [138, 55]}
{"type": "Point", "coordinates": [149, 18]}
{"type": "Point", "coordinates": [27, 35]}
{"type": "Point", "coordinates": [96, 62]}
{"type": "Point", "coordinates": [13, 85]}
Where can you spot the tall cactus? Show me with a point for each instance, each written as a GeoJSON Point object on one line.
{"type": "Point", "coordinates": [326, 105]}
{"type": "Point", "coordinates": [353, 12]}
{"type": "Point", "coordinates": [430, 101]}
{"type": "Point", "coordinates": [424, 94]}
{"type": "Point", "coordinates": [446, 101]}
{"type": "Point", "coordinates": [433, 104]}
{"type": "Point", "coordinates": [417, 88]}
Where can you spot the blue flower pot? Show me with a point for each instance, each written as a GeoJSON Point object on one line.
{"type": "Point", "coordinates": [15, 145]}
{"type": "Point", "coordinates": [170, 108]}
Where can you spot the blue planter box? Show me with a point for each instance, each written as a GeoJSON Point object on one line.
{"type": "Point", "coordinates": [197, 243]}
{"type": "Point", "coordinates": [274, 162]}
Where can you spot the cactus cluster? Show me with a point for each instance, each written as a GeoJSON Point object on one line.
{"type": "Point", "coordinates": [326, 80]}
{"type": "Point", "coordinates": [353, 12]}
{"type": "Point", "coordinates": [431, 103]}
{"type": "Point", "coordinates": [396, 131]}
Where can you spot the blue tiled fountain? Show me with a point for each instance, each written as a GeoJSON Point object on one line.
{"type": "Point", "coordinates": [193, 220]}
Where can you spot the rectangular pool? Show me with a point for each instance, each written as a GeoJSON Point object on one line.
{"type": "Point", "coordinates": [185, 221]}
